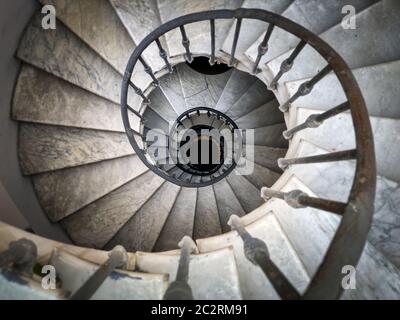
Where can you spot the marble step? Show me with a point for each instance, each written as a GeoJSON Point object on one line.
{"type": "Point", "coordinates": [46, 246]}
{"type": "Point", "coordinates": [141, 231]}
{"type": "Point", "coordinates": [247, 194]}
{"type": "Point", "coordinates": [358, 53]}
{"type": "Point", "coordinates": [313, 15]}
{"type": "Point", "coordinates": [170, 85]}
{"type": "Point", "coordinates": [267, 156]}
{"type": "Point", "coordinates": [119, 285]}
{"type": "Point", "coordinates": [266, 115]}
{"type": "Point", "coordinates": [385, 136]}
{"type": "Point", "coordinates": [227, 203]}
{"type": "Point", "coordinates": [63, 192]}
{"type": "Point", "coordinates": [271, 136]}
{"type": "Point", "coordinates": [253, 281]}
{"type": "Point", "coordinates": [161, 105]}
{"type": "Point", "coordinates": [310, 231]}
{"type": "Point", "coordinates": [238, 84]}
{"type": "Point", "coordinates": [155, 121]}
{"type": "Point", "coordinates": [140, 17]}
{"type": "Point", "coordinates": [43, 98]}
{"type": "Point", "coordinates": [46, 148]}
{"type": "Point", "coordinates": [201, 90]}
{"type": "Point", "coordinates": [206, 219]}
{"type": "Point", "coordinates": [95, 225]}
{"type": "Point", "coordinates": [62, 53]}
{"type": "Point", "coordinates": [379, 85]}
{"type": "Point", "coordinates": [256, 96]}
{"type": "Point", "coordinates": [202, 119]}
{"type": "Point", "coordinates": [16, 287]}
{"type": "Point", "coordinates": [259, 175]}
{"type": "Point", "coordinates": [179, 222]}
{"type": "Point", "coordinates": [212, 276]}
{"type": "Point", "coordinates": [251, 30]}
{"type": "Point", "coordinates": [199, 32]}
{"type": "Point", "coordinates": [96, 23]}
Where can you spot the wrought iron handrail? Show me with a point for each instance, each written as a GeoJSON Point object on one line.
{"type": "Point", "coordinates": [346, 247]}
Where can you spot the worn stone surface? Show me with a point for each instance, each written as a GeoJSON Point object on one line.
{"type": "Point", "coordinates": [42, 98]}
{"type": "Point", "coordinates": [238, 83]}
{"type": "Point", "coordinates": [179, 222]}
{"type": "Point", "coordinates": [161, 105]}
{"type": "Point", "coordinates": [271, 136]}
{"type": "Point", "coordinates": [63, 192]}
{"type": "Point", "coordinates": [155, 121]}
{"type": "Point", "coordinates": [96, 23]}
{"type": "Point", "coordinates": [227, 203]}
{"type": "Point", "coordinates": [120, 285]}
{"type": "Point", "coordinates": [260, 176]}
{"type": "Point", "coordinates": [143, 229]}
{"type": "Point", "coordinates": [206, 220]}
{"type": "Point", "coordinates": [46, 148]}
{"type": "Point", "coordinates": [247, 194]}
{"type": "Point", "coordinates": [171, 87]}
{"type": "Point", "coordinates": [201, 90]}
{"type": "Point", "coordinates": [96, 224]}
{"type": "Point", "coordinates": [266, 115]}
{"type": "Point", "coordinates": [267, 156]}
{"type": "Point", "coordinates": [253, 282]}
{"type": "Point", "coordinates": [222, 283]}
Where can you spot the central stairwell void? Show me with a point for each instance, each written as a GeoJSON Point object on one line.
{"type": "Point", "coordinates": [282, 218]}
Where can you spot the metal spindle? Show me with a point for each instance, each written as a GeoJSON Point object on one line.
{"type": "Point", "coordinates": [235, 40]}
{"type": "Point", "coordinates": [256, 251]}
{"type": "Point", "coordinates": [299, 199]}
{"type": "Point", "coordinates": [306, 87]}
{"type": "Point", "coordinates": [315, 120]}
{"type": "Point", "coordinates": [186, 45]}
{"type": "Point", "coordinates": [180, 289]}
{"type": "Point", "coordinates": [136, 113]}
{"type": "Point", "coordinates": [212, 30]}
{"type": "Point", "coordinates": [20, 256]}
{"type": "Point", "coordinates": [164, 56]}
{"type": "Point", "coordinates": [149, 71]}
{"type": "Point", "coordinates": [329, 157]}
{"type": "Point", "coordinates": [263, 47]}
{"type": "Point", "coordinates": [287, 64]}
{"type": "Point", "coordinates": [118, 258]}
{"type": "Point", "coordinates": [139, 92]}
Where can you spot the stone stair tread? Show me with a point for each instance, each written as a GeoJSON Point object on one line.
{"type": "Point", "coordinates": [378, 83]}
{"type": "Point", "coordinates": [96, 23]}
{"type": "Point", "coordinates": [227, 203]}
{"type": "Point", "coordinates": [266, 156]}
{"type": "Point", "coordinates": [251, 29]}
{"type": "Point", "coordinates": [179, 222]}
{"type": "Point", "coordinates": [206, 220]}
{"type": "Point", "coordinates": [358, 53]}
{"type": "Point", "coordinates": [222, 283]}
{"type": "Point", "coordinates": [65, 191]}
{"type": "Point", "coordinates": [141, 231]}
{"type": "Point", "coordinates": [271, 136]}
{"type": "Point", "coordinates": [259, 176]}
{"type": "Point", "coordinates": [253, 282]}
{"type": "Point", "coordinates": [96, 224]}
{"type": "Point", "coordinates": [266, 115]}
{"type": "Point", "coordinates": [140, 17]}
{"type": "Point", "coordinates": [120, 285]}
{"type": "Point", "coordinates": [161, 105]}
{"type": "Point", "coordinates": [171, 87]}
{"type": "Point", "coordinates": [45, 148]}
{"type": "Point", "coordinates": [155, 121]}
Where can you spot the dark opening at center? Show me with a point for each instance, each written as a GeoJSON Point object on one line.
{"type": "Point", "coordinates": [202, 65]}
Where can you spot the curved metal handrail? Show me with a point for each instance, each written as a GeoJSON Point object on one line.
{"type": "Point", "coordinates": [349, 240]}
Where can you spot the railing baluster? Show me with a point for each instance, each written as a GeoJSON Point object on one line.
{"type": "Point", "coordinates": [163, 55]}
{"type": "Point", "coordinates": [263, 47]}
{"type": "Point", "coordinates": [256, 251]}
{"type": "Point", "coordinates": [329, 157]}
{"type": "Point", "coordinates": [186, 45]}
{"type": "Point", "coordinates": [139, 92]}
{"type": "Point", "coordinates": [235, 40]}
{"type": "Point", "coordinates": [306, 87]}
{"type": "Point", "coordinates": [299, 199]}
{"type": "Point", "coordinates": [136, 113]}
{"type": "Point", "coordinates": [315, 120]}
{"type": "Point", "coordinates": [21, 254]}
{"type": "Point", "coordinates": [287, 64]}
{"type": "Point", "coordinates": [212, 30]}
{"type": "Point", "coordinates": [118, 258]}
{"type": "Point", "coordinates": [149, 71]}
{"type": "Point", "coordinates": [180, 289]}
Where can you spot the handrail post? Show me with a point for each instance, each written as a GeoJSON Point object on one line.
{"type": "Point", "coordinates": [117, 258]}
{"type": "Point", "coordinates": [256, 251]}
{"type": "Point", "coordinates": [21, 254]}
{"type": "Point", "coordinates": [180, 289]}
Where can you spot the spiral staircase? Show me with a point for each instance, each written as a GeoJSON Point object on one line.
{"type": "Point", "coordinates": [94, 174]}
